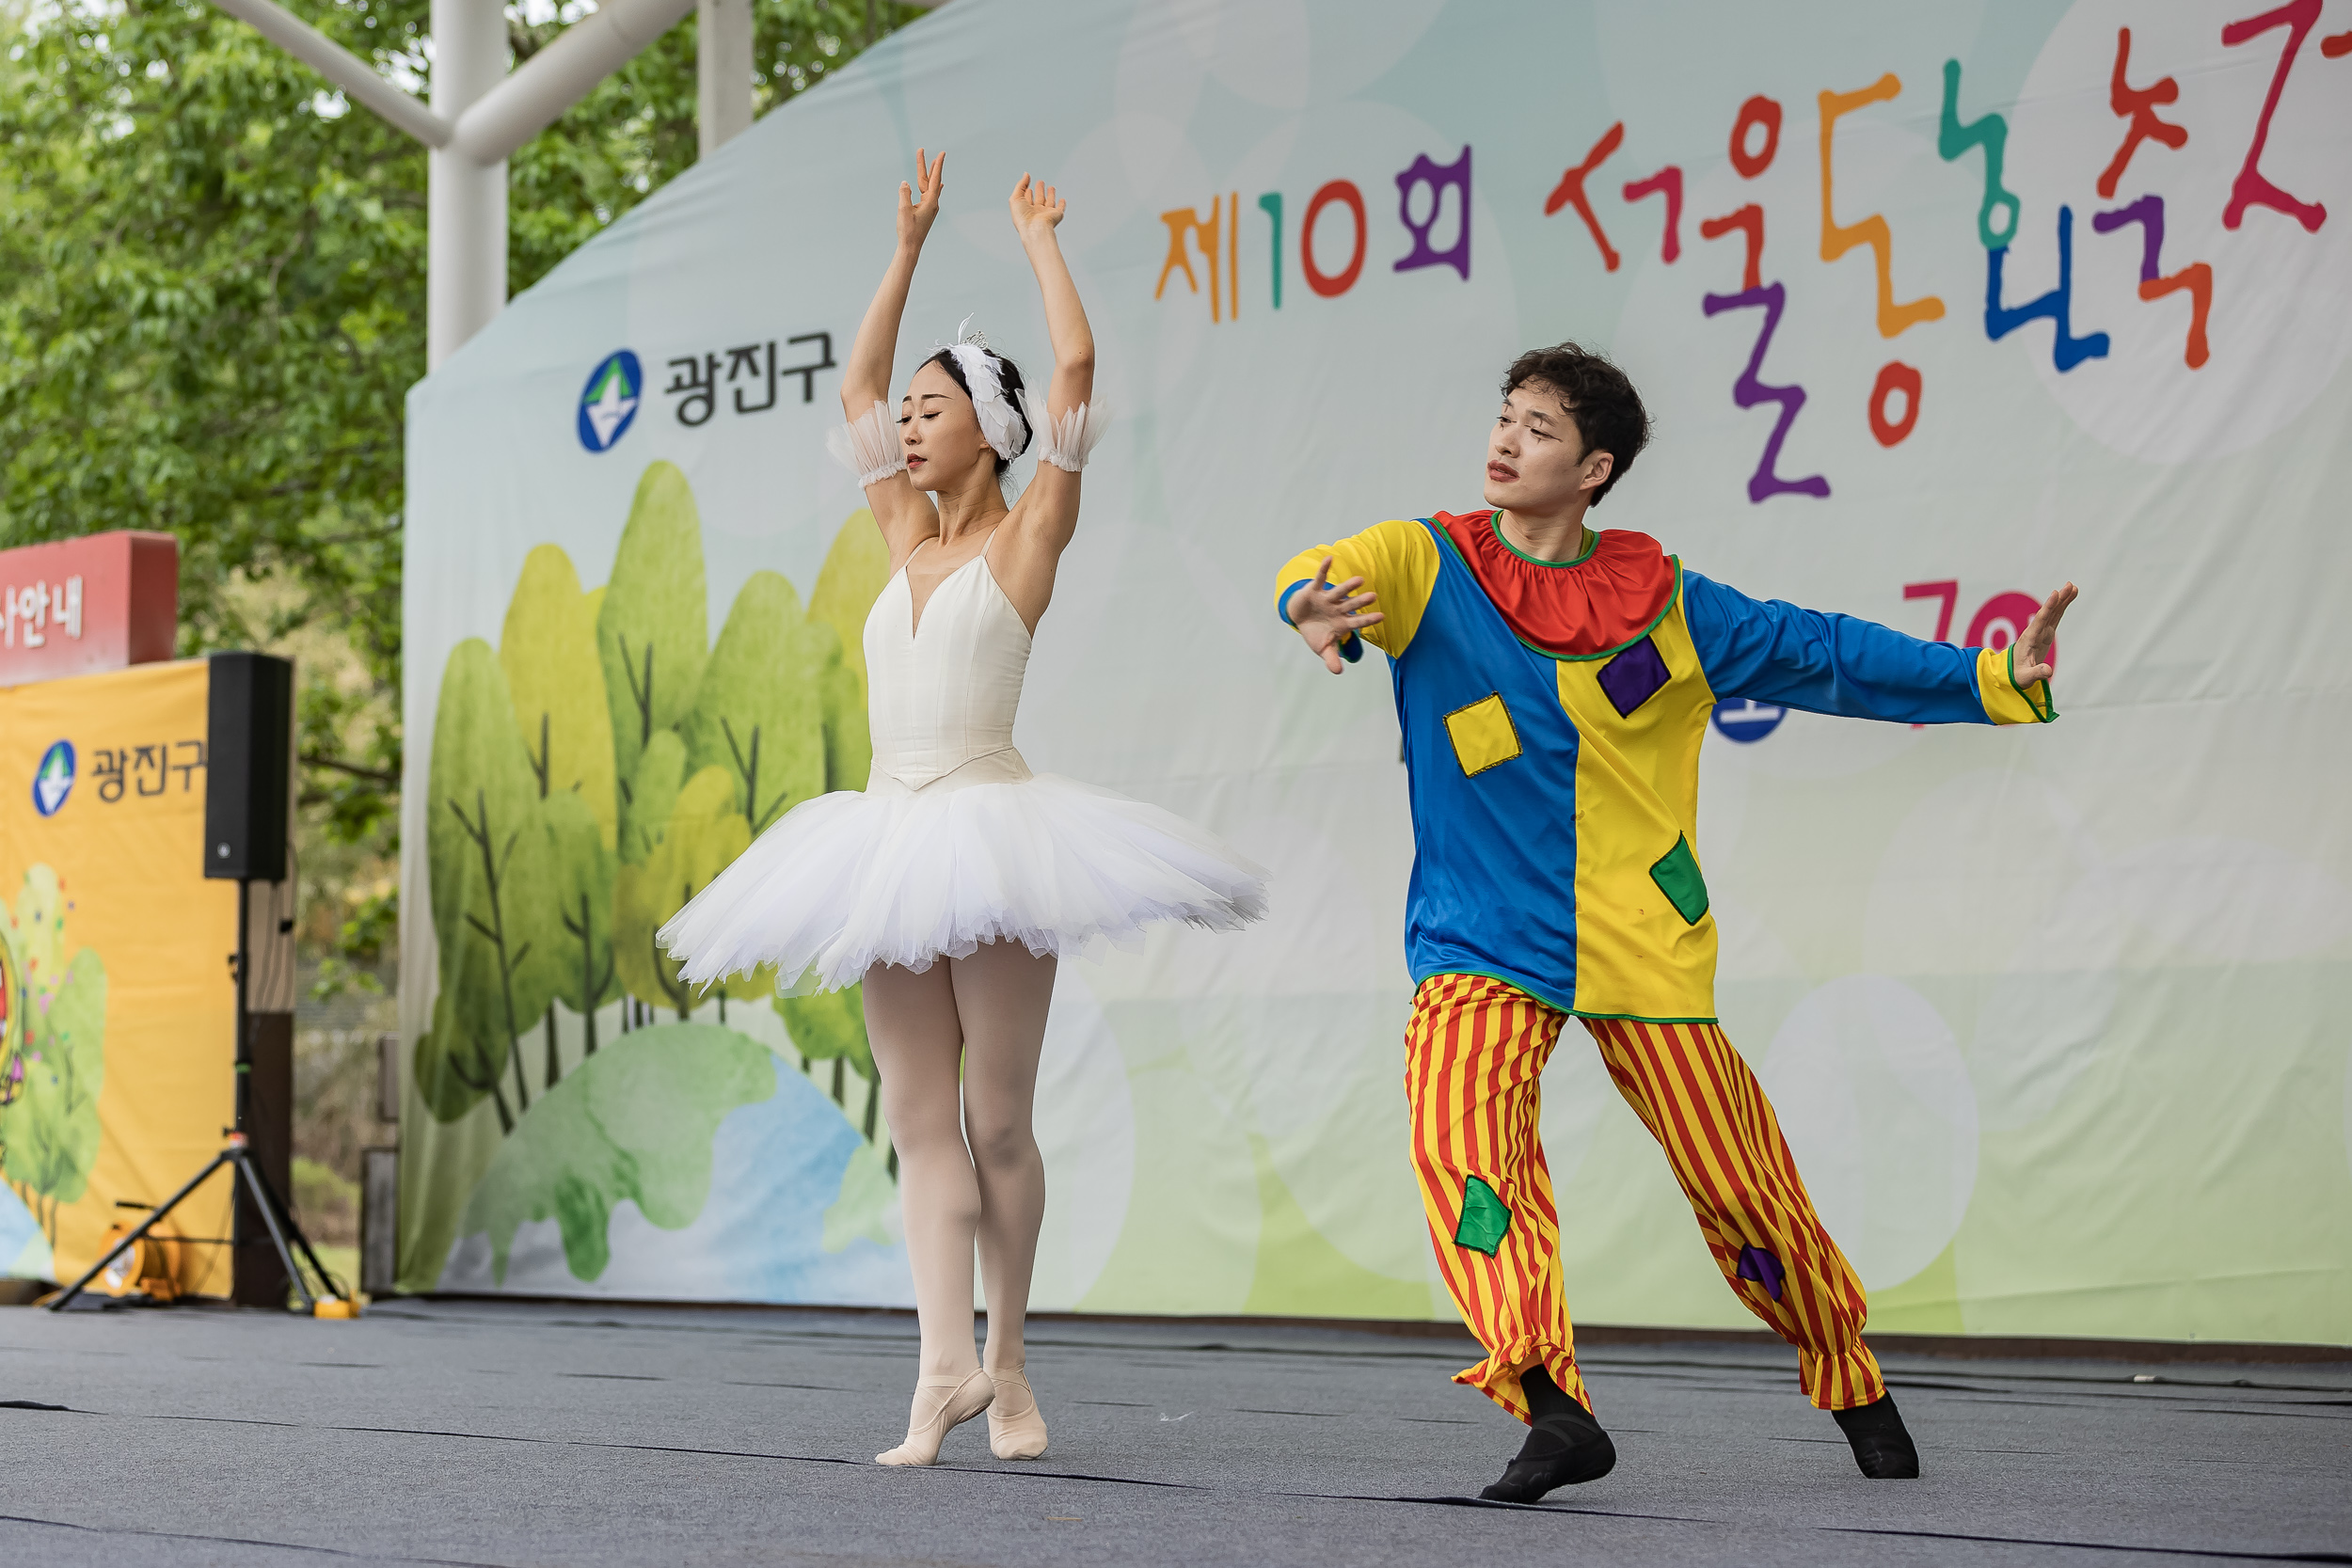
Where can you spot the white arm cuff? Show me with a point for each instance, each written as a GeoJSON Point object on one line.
{"type": "Point", "coordinates": [1067, 442]}
{"type": "Point", "coordinates": [868, 445]}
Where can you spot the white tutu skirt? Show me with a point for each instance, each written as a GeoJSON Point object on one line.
{"type": "Point", "coordinates": [852, 880]}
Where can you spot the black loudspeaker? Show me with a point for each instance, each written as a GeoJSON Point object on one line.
{"type": "Point", "coordinates": [248, 767]}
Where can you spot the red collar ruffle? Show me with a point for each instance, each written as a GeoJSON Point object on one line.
{"type": "Point", "coordinates": [1612, 595]}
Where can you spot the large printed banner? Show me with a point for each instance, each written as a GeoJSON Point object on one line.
{"type": "Point", "coordinates": [1935, 307]}
{"type": "Point", "coordinates": [117, 1014]}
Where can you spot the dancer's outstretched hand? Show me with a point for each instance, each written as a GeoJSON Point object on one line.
{"type": "Point", "coordinates": [2030, 661]}
{"type": "Point", "coordinates": [918, 208]}
{"type": "Point", "coordinates": [1035, 209]}
{"type": "Point", "coordinates": [1322, 609]}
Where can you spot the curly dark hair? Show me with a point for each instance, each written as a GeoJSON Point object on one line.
{"type": "Point", "coordinates": [1008, 372]}
{"type": "Point", "coordinates": [1607, 410]}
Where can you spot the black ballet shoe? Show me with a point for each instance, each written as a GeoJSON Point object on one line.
{"type": "Point", "coordinates": [1564, 1449]}
{"type": "Point", "coordinates": [1881, 1446]}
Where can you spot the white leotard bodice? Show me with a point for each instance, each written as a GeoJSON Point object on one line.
{"type": "Point", "coordinates": [940, 697]}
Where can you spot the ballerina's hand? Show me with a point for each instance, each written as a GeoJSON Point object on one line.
{"type": "Point", "coordinates": [2036, 654]}
{"type": "Point", "coordinates": [1035, 208]}
{"type": "Point", "coordinates": [918, 205]}
{"type": "Point", "coordinates": [1322, 609]}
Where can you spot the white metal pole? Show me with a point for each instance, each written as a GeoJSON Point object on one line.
{"type": "Point", "coordinates": [722, 72]}
{"type": "Point", "coordinates": [513, 111]}
{"type": "Point", "coordinates": [466, 201]}
{"type": "Point", "coordinates": [348, 71]}
{"type": "Point", "coordinates": [481, 115]}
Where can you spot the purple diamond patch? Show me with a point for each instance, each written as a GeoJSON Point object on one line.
{"type": "Point", "coordinates": [1634, 677]}
{"type": "Point", "coordinates": [1762, 1267]}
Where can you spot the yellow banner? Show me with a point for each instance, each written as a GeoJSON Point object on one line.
{"type": "Point", "coordinates": [116, 1060]}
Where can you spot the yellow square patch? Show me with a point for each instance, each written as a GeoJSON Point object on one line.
{"type": "Point", "coordinates": [1482, 734]}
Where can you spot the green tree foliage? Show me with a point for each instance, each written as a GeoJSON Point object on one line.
{"type": "Point", "coordinates": [636, 130]}
{"type": "Point", "coordinates": [212, 306]}
{"type": "Point", "coordinates": [211, 309]}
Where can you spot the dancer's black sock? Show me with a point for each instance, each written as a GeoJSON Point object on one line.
{"type": "Point", "coordinates": [1882, 1445]}
{"type": "Point", "coordinates": [1564, 1445]}
{"type": "Point", "coordinates": [1547, 1398]}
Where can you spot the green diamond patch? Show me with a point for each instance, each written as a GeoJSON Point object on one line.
{"type": "Point", "coordinates": [1676, 875]}
{"type": "Point", "coordinates": [1486, 1218]}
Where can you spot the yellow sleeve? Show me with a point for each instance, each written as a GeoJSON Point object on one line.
{"type": "Point", "coordinates": [2005, 701]}
{"type": "Point", "coordinates": [1398, 562]}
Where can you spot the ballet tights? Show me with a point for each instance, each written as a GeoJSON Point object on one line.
{"type": "Point", "coordinates": [957, 1049]}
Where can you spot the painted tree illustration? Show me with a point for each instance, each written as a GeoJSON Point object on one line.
{"type": "Point", "coordinates": [855, 570]}
{"type": "Point", "coordinates": [582, 866]}
{"type": "Point", "coordinates": [758, 714]}
{"type": "Point", "coordinates": [660, 774]}
{"type": "Point", "coordinates": [15, 1008]}
{"type": "Point", "coordinates": [848, 745]}
{"type": "Point", "coordinates": [49, 1131]}
{"type": "Point", "coordinates": [602, 766]}
{"type": "Point", "coordinates": [488, 850]}
{"type": "Point", "coordinates": [831, 1027]}
{"type": "Point", "coordinates": [704, 834]}
{"type": "Point", "coordinates": [653, 624]}
{"type": "Point", "coordinates": [548, 650]}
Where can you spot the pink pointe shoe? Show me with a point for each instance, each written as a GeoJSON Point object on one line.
{"type": "Point", "coordinates": [940, 1404]}
{"type": "Point", "coordinates": [1016, 1428]}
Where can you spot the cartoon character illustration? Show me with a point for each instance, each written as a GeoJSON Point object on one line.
{"type": "Point", "coordinates": [11, 1030]}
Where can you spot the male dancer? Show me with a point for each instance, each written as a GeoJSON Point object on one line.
{"type": "Point", "coordinates": [1554, 684]}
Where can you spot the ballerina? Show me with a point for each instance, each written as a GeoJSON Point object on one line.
{"type": "Point", "coordinates": [952, 883]}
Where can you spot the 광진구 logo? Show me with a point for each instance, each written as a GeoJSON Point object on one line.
{"type": "Point", "coordinates": [53, 780]}
{"type": "Point", "coordinates": [1746, 721]}
{"type": "Point", "coordinates": [608, 404]}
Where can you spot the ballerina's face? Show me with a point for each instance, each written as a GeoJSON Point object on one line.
{"type": "Point", "coordinates": [941, 433]}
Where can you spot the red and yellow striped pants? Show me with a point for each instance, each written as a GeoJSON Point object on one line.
{"type": "Point", "coordinates": [1475, 1052]}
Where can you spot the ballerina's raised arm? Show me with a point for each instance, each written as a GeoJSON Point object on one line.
{"type": "Point", "coordinates": [967, 414]}
{"type": "Point", "coordinates": [871, 445]}
{"type": "Point", "coordinates": [1066, 427]}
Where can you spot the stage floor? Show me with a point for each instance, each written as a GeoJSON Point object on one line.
{"type": "Point", "coordinates": [499, 1433]}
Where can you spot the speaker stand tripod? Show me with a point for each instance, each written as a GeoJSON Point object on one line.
{"type": "Point", "coordinates": [284, 1234]}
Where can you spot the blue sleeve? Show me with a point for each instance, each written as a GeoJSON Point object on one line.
{"type": "Point", "coordinates": [1770, 651]}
